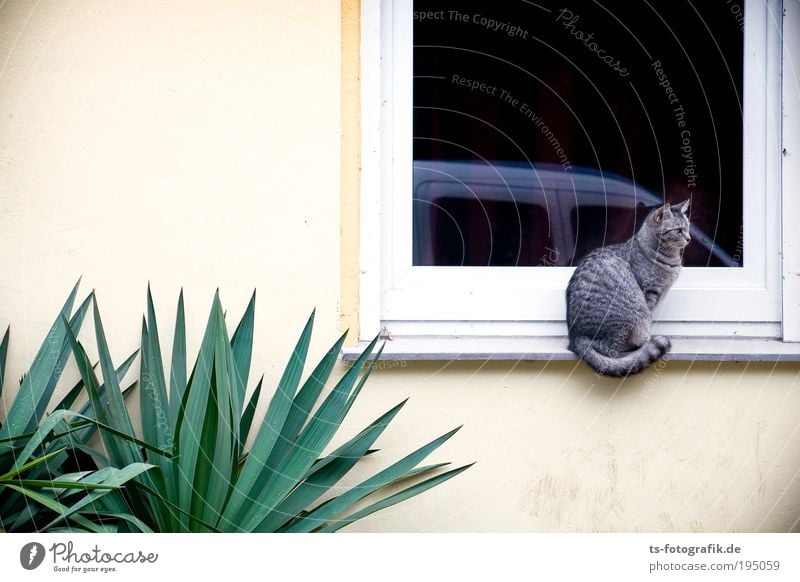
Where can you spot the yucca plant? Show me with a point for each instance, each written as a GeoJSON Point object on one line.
{"type": "Point", "coordinates": [197, 427]}
{"type": "Point", "coordinates": [37, 492]}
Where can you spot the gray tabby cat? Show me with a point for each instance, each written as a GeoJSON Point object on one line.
{"type": "Point", "coordinates": [614, 290]}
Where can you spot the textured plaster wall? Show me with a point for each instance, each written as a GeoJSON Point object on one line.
{"type": "Point", "coordinates": [187, 143]}
{"type": "Point", "coordinates": [683, 448]}
{"type": "Point", "coordinates": [209, 144]}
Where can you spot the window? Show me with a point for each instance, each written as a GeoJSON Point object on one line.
{"type": "Point", "coordinates": [603, 106]}
{"type": "Point", "coordinates": [515, 137]}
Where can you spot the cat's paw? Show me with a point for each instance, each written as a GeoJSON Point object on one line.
{"type": "Point", "coordinates": [662, 343]}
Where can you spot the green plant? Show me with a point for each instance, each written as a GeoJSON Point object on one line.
{"type": "Point", "coordinates": [37, 492]}
{"type": "Point", "coordinates": [197, 428]}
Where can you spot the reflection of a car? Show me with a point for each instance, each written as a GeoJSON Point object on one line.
{"type": "Point", "coordinates": [507, 213]}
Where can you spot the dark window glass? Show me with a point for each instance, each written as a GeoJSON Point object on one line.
{"type": "Point", "coordinates": [543, 130]}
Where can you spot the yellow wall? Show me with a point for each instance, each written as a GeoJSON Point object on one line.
{"type": "Point", "coordinates": [190, 143]}
{"type": "Point", "coordinates": [696, 447]}
{"type": "Point", "coordinates": [210, 143]}
{"type": "Point", "coordinates": [351, 168]}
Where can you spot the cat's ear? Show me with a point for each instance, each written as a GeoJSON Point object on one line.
{"type": "Point", "coordinates": [684, 207]}
{"type": "Point", "coordinates": [662, 213]}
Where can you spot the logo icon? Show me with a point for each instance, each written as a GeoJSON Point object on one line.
{"type": "Point", "coordinates": [31, 555]}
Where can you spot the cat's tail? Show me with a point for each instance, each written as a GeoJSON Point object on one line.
{"type": "Point", "coordinates": [625, 365]}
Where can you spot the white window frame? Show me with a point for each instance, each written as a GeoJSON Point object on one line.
{"type": "Point", "coordinates": [519, 312]}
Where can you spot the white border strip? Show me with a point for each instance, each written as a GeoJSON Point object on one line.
{"type": "Point", "coordinates": [791, 171]}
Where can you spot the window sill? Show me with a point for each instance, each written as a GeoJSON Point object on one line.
{"type": "Point", "coordinates": [411, 348]}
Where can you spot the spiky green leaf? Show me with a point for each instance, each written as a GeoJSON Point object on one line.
{"type": "Point", "coordinates": [242, 346]}
{"type": "Point", "coordinates": [398, 497]}
{"type": "Point", "coordinates": [326, 473]}
{"type": "Point", "coordinates": [177, 374]}
{"type": "Point", "coordinates": [117, 413]}
{"type": "Point", "coordinates": [322, 514]}
{"type": "Point", "coordinates": [39, 383]}
{"type": "Point", "coordinates": [107, 476]}
{"type": "Point", "coordinates": [268, 434]}
{"type": "Point", "coordinates": [302, 453]}
{"type": "Point", "coordinates": [249, 413]}
{"type": "Point", "coordinates": [3, 354]}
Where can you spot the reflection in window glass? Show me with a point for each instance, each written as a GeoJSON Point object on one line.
{"type": "Point", "coordinates": [543, 130]}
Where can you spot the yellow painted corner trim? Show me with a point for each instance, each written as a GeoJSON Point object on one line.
{"type": "Point", "coordinates": [351, 167]}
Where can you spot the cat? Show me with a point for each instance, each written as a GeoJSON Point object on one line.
{"type": "Point", "coordinates": [612, 294]}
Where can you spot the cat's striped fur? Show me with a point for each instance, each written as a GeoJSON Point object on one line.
{"type": "Point", "coordinates": [614, 290]}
